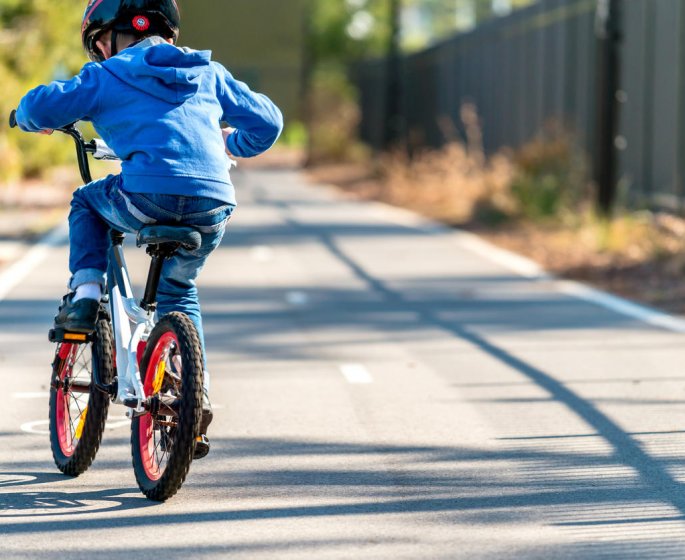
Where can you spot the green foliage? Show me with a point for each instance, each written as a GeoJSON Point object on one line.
{"type": "Point", "coordinates": [334, 119]}
{"type": "Point", "coordinates": [39, 42]}
{"type": "Point", "coordinates": [330, 40]}
{"type": "Point", "coordinates": [549, 181]}
{"type": "Point", "coordinates": [294, 135]}
{"type": "Point", "coordinates": [538, 196]}
{"type": "Point", "coordinates": [345, 30]}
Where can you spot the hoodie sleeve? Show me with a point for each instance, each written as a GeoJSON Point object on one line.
{"type": "Point", "coordinates": [60, 103]}
{"type": "Point", "coordinates": [258, 122]}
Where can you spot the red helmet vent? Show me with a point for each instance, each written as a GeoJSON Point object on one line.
{"type": "Point", "coordinates": [141, 23]}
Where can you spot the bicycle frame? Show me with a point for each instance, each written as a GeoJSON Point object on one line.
{"type": "Point", "coordinates": [131, 323]}
{"type": "Point", "coordinates": [166, 424]}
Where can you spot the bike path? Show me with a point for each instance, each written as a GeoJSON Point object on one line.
{"type": "Point", "coordinates": [384, 388]}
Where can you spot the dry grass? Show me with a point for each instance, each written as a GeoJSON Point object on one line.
{"type": "Point", "coordinates": [534, 202]}
{"type": "Point", "coordinates": [453, 184]}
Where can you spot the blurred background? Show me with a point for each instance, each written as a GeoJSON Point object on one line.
{"type": "Point", "coordinates": [400, 72]}
{"type": "Point", "coordinates": [553, 125]}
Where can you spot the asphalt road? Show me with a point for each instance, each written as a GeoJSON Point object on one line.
{"type": "Point", "coordinates": [383, 389]}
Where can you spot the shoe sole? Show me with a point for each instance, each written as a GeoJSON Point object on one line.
{"type": "Point", "coordinates": [201, 448]}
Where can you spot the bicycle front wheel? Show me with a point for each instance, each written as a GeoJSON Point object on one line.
{"type": "Point", "coordinates": [78, 409]}
{"type": "Point", "coordinates": [163, 439]}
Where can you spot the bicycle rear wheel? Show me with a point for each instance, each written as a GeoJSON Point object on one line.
{"type": "Point", "coordinates": [78, 410]}
{"type": "Point", "coordinates": [163, 439]}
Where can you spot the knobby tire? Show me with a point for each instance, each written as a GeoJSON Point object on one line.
{"type": "Point", "coordinates": [163, 445]}
{"type": "Point", "coordinates": [67, 419]}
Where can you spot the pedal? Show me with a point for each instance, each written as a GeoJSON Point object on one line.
{"type": "Point", "coordinates": [130, 403]}
{"type": "Point", "coordinates": [60, 335]}
{"type": "Point", "coordinates": [201, 447]}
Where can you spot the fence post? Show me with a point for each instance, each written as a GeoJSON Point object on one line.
{"type": "Point", "coordinates": [680, 114]}
{"type": "Point", "coordinates": [608, 32]}
{"type": "Point", "coordinates": [393, 85]}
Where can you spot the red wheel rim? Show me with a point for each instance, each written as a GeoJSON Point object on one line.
{"type": "Point", "coordinates": [64, 423]}
{"type": "Point", "coordinates": [153, 441]}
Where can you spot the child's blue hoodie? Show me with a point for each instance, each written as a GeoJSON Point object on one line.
{"type": "Point", "coordinates": [159, 107]}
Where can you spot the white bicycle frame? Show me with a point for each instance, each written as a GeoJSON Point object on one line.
{"type": "Point", "coordinates": [132, 322]}
{"type": "Point", "coordinates": [131, 325]}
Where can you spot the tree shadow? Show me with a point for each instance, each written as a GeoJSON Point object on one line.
{"type": "Point", "coordinates": [469, 486]}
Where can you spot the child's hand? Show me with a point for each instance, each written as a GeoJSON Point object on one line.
{"type": "Point", "coordinates": [226, 132]}
{"type": "Point", "coordinates": [47, 131]}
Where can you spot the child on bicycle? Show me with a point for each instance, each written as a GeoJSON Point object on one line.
{"type": "Point", "coordinates": [159, 107]}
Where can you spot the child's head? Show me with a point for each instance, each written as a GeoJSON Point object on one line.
{"type": "Point", "coordinates": [109, 26]}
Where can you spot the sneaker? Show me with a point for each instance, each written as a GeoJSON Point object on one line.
{"type": "Point", "coordinates": [202, 442]}
{"type": "Point", "coordinates": [79, 316]}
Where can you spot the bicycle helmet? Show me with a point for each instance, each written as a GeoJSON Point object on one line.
{"type": "Point", "coordinates": [141, 18]}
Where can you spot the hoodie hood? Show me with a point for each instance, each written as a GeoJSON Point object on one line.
{"type": "Point", "coordinates": [160, 69]}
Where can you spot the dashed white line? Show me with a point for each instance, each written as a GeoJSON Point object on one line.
{"type": "Point", "coordinates": [262, 253]}
{"type": "Point", "coordinates": [356, 374]}
{"type": "Point", "coordinates": [35, 395]}
{"type": "Point", "coordinates": [117, 422]}
{"type": "Point", "coordinates": [297, 298]}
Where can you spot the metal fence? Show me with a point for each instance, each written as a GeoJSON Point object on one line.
{"type": "Point", "coordinates": [539, 65]}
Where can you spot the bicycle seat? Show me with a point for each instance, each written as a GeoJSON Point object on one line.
{"type": "Point", "coordinates": [186, 237]}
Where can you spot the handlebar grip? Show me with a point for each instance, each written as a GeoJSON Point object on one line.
{"type": "Point", "coordinates": [13, 119]}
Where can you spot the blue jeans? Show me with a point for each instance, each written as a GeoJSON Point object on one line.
{"type": "Point", "coordinates": [103, 205]}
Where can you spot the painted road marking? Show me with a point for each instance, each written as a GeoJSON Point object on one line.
{"type": "Point", "coordinates": [297, 298]}
{"type": "Point", "coordinates": [262, 253]}
{"type": "Point", "coordinates": [44, 504]}
{"type": "Point", "coordinates": [20, 269]}
{"type": "Point", "coordinates": [356, 374]}
{"type": "Point", "coordinates": [529, 269]}
{"type": "Point", "coordinates": [42, 427]}
{"type": "Point", "coordinates": [34, 395]}
{"type": "Point", "coordinates": [15, 479]}
{"type": "Point", "coordinates": [37, 427]}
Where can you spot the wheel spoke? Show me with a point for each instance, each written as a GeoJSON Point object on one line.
{"type": "Point", "coordinates": [77, 413]}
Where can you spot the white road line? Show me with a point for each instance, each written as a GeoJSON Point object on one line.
{"type": "Point", "coordinates": [356, 374]}
{"type": "Point", "coordinates": [36, 395]}
{"type": "Point", "coordinates": [36, 427]}
{"type": "Point", "coordinates": [623, 306]}
{"type": "Point", "coordinates": [15, 479]}
{"type": "Point", "coordinates": [516, 263]}
{"type": "Point", "coordinates": [11, 277]}
{"type": "Point", "coordinates": [117, 422]}
{"type": "Point", "coordinates": [297, 298]}
{"type": "Point", "coordinates": [530, 269]}
{"type": "Point", "coordinates": [42, 427]}
{"type": "Point", "coordinates": [262, 253]}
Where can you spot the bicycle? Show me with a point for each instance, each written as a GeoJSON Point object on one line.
{"type": "Point", "coordinates": [153, 368]}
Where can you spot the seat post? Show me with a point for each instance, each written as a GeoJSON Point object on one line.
{"type": "Point", "coordinates": [159, 254]}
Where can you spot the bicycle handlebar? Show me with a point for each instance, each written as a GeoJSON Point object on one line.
{"type": "Point", "coordinates": [96, 147]}
{"type": "Point", "coordinates": [101, 150]}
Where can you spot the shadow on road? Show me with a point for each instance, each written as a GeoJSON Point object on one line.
{"type": "Point", "coordinates": [603, 486]}
{"type": "Point", "coordinates": [516, 484]}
